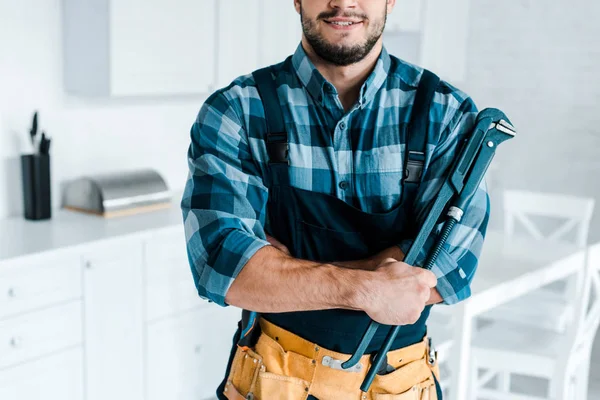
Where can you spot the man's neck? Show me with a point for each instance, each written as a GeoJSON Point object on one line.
{"type": "Point", "coordinates": [347, 79]}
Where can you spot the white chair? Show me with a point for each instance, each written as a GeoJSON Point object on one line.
{"type": "Point", "coordinates": [551, 307]}
{"type": "Point", "coordinates": [553, 311]}
{"type": "Point", "coordinates": [504, 348]}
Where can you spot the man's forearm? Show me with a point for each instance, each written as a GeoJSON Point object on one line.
{"type": "Point", "coordinates": [272, 281]}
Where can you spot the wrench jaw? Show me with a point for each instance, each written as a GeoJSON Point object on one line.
{"type": "Point", "coordinates": [506, 127]}
{"type": "Point", "coordinates": [501, 131]}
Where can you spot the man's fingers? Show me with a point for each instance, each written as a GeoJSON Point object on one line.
{"type": "Point", "coordinates": [278, 245]}
{"type": "Point", "coordinates": [427, 277]}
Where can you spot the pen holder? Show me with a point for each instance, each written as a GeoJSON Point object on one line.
{"type": "Point", "coordinates": [35, 171]}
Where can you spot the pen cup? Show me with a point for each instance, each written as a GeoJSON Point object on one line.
{"type": "Point", "coordinates": [35, 171]}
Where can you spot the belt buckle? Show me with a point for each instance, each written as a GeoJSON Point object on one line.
{"type": "Point", "coordinates": [431, 352]}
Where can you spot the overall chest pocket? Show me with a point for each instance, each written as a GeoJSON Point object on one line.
{"type": "Point", "coordinates": [379, 178]}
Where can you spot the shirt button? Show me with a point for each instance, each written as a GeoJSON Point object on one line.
{"type": "Point", "coordinates": [343, 185]}
{"type": "Point", "coordinates": [342, 125]}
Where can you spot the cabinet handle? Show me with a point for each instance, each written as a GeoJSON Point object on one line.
{"type": "Point", "coordinates": [16, 342]}
{"type": "Point", "coordinates": [88, 264]}
{"type": "Point", "coordinates": [198, 349]}
{"type": "Point", "coordinates": [12, 293]}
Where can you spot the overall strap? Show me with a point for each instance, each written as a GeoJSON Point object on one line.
{"type": "Point", "coordinates": [277, 138]}
{"type": "Point", "coordinates": [276, 141]}
{"type": "Point", "coordinates": [416, 141]}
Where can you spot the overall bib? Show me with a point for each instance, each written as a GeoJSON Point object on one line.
{"type": "Point", "coordinates": [320, 227]}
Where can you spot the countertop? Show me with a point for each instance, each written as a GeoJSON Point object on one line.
{"type": "Point", "coordinates": [67, 229]}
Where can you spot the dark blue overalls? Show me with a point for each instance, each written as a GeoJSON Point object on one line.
{"type": "Point", "coordinates": [321, 227]}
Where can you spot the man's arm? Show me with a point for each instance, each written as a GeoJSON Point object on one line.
{"type": "Point", "coordinates": [224, 206]}
{"type": "Point", "coordinates": [458, 260]}
{"type": "Point", "coordinates": [368, 264]}
{"type": "Point", "coordinates": [272, 281]}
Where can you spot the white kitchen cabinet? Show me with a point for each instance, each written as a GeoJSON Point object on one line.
{"type": "Point", "coordinates": [58, 377]}
{"type": "Point", "coordinates": [37, 334]}
{"type": "Point", "coordinates": [117, 316]}
{"type": "Point", "coordinates": [113, 320]}
{"type": "Point", "coordinates": [238, 49]}
{"type": "Point", "coordinates": [187, 354]}
{"type": "Point", "coordinates": [34, 282]}
{"type": "Point", "coordinates": [139, 47]}
{"type": "Point", "coordinates": [169, 285]}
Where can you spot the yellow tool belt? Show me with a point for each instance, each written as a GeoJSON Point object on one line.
{"type": "Point", "coordinates": [283, 366]}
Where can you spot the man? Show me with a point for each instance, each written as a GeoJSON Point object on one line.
{"type": "Point", "coordinates": [307, 182]}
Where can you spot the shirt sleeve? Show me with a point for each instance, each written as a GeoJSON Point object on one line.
{"type": "Point", "coordinates": [457, 262]}
{"type": "Point", "coordinates": [224, 201]}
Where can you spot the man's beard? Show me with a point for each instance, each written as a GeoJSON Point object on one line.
{"type": "Point", "coordinates": [339, 54]}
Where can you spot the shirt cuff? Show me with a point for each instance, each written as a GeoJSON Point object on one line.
{"type": "Point", "coordinates": [452, 282]}
{"type": "Point", "coordinates": [236, 249]}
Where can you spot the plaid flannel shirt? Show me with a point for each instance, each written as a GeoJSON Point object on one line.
{"type": "Point", "coordinates": [225, 197]}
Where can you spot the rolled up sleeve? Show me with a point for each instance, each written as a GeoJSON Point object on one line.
{"type": "Point", "coordinates": [457, 263]}
{"type": "Point", "coordinates": [224, 201]}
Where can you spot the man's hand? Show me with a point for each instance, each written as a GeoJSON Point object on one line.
{"type": "Point", "coordinates": [396, 292]}
{"type": "Point", "coordinates": [375, 261]}
{"type": "Point", "coordinates": [278, 245]}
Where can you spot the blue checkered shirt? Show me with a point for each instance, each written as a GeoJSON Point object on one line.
{"type": "Point", "coordinates": [225, 198]}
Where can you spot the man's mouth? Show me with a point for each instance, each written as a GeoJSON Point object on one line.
{"type": "Point", "coordinates": [337, 22]}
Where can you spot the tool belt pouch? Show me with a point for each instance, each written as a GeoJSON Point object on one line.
{"type": "Point", "coordinates": [241, 382]}
{"type": "Point", "coordinates": [424, 390]}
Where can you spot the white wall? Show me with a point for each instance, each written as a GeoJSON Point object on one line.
{"type": "Point", "coordinates": [539, 61]}
{"type": "Point", "coordinates": [88, 136]}
{"type": "Point", "coordinates": [534, 59]}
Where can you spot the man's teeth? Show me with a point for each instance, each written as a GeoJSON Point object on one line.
{"type": "Point", "coordinates": [342, 23]}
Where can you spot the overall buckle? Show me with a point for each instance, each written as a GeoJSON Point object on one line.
{"type": "Point", "coordinates": [278, 148]}
{"type": "Point", "coordinates": [415, 164]}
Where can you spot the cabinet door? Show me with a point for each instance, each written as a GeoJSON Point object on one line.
{"type": "Point", "coordinates": [187, 355]}
{"type": "Point", "coordinates": [238, 39]}
{"type": "Point", "coordinates": [160, 47]}
{"type": "Point", "coordinates": [113, 321]}
{"type": "Point", "coordinates": [169, 285]}
{"type": "Point", "coordinates": [56, 377]}
{"type": "Point", "coordinates": [280, 33]}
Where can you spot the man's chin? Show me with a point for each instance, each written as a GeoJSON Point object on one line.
{"type": "Point", "coordinates": [345, 46]}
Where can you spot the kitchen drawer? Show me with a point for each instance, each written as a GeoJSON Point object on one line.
{"type": "Point", "coordinates": [35, 282]}
{"type": "Point", "coordinates": [169, 285]}
{"type": "Point", "coordinates": [39, 333]}
{"type": "Point", "coordinates": [57, 377]}
{"type": "Point", "coordinates": [187, 355]}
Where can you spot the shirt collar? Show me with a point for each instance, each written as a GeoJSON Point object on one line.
{"type": "Point", "coordinates": [316, 84]}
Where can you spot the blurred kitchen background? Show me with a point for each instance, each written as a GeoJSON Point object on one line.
{"type": "Point", "coordinates": [93, 307]}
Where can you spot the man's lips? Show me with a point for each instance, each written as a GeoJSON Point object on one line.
{"type": "Point", "coordinates": [343, 23]}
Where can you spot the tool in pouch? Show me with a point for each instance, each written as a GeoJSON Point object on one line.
{"type": "Point", "coordinates": [492, 127]}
